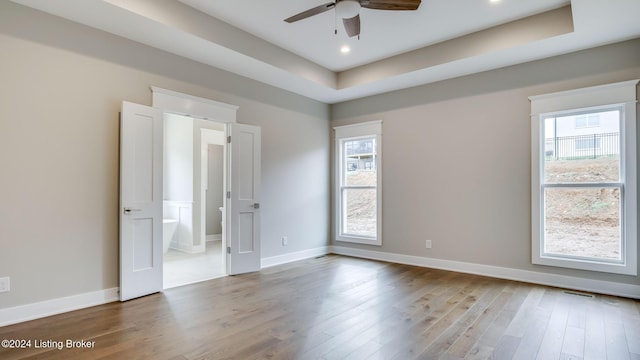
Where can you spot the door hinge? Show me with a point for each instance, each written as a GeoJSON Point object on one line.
{"type": "Point", "coordinates": [229, 139]}
{"type": "Point", "coordinates": [228, 194]}
{"type": "Point", "coordinates": [228, 249]}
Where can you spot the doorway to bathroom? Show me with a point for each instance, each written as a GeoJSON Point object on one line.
{"type": "Point", "coordinates": [193, 206]}
{"type": "Point", "coordinates": [142, 195]}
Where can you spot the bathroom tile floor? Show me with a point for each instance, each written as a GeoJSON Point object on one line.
{"type": "Point", "coordinates": [181, 268]}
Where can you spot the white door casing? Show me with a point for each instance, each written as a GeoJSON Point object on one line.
{"type": "Point", "coordinates": [141, 195]}
{"type": "Point", "coordinates": [243, 212]}
{"type": "Point", "coordinates": [141, 274]}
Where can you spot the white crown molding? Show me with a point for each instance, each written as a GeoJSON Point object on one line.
{"type": "Point", "coordinates": [174, 102]}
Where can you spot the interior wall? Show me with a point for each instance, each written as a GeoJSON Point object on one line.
{"type": "Point", "coordinates": [61, 90]}
{"type": "Point", "coordinates": [295, 180]}
{"type": "Point", "coordinates": [214, 189]}
{"type": "Point", "coordinates": [457, 158]}
{"type": "Point", "coordinates": [178, 158]}
{"type": "Point", "coordinates": [200, 199]}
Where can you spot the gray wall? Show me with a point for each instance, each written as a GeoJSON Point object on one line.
{"type": "Point", "coordinates": [61, 90]}
{"type": "Point", "coordinates": [457, 158]}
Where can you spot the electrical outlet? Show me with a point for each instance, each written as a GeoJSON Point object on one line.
{"type": "Point", "coordinates": [5, 284]}
{"type": "Point", "coordinates": [428, 244]}
{"type": "Point", "coordinates": [285, 241]}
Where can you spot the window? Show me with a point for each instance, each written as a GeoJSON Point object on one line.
{"type": "Point", "coordinates": [590, 120]}
{"type": "Point", "coordinates": [584, 200]}
{"type": "Point", "coordinates": [357, 192]}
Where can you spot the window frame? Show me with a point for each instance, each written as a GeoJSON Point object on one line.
{"type": "Point", "coordinates": [371, 129]}
{"type": "Point", "coordinates": [624, 95]}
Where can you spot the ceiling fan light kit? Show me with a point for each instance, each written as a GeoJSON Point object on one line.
{"type": "Point", "coordinates": [349, 11]}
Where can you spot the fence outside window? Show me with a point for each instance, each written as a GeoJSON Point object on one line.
{"type": "Point", "coordinates": [592, 146]}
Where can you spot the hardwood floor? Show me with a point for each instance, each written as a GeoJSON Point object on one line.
{"type": "Point", "coordinates": [338, 307]}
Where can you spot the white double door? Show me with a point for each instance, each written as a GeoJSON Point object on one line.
{"type": "Point", "coordinates": [141, 149]}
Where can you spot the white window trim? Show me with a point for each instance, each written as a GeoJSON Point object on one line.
{"type": "Point", "coordinates": [625, 94]}
{"type": "Point", "coordinates": [367, 129]}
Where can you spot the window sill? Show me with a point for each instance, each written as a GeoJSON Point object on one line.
{"type": "Point", "coordinates": [359, 240]}
{"type": "Point", "coordinates": [584, 264]}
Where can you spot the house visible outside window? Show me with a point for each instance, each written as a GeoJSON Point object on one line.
{"type": "Point", "coordinates": [591, 120]}
{"type": "Point", "coordinates": [357, 185]}
{"type": "Point", "coordinates": [584, 195]}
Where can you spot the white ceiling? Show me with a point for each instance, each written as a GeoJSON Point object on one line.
{"type": "Point", "coordinates": [443, 39]}
{"type": "Point", "coordinates": [383, 33]}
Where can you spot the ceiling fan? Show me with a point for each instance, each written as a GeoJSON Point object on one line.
{"type": "Point", "coordinates": [349, 11]}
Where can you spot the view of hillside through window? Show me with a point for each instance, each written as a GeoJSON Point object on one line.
{"type": "Point", "coordinates": [360, 180]}
{"type": "Point", "coordinates": [581, 180]}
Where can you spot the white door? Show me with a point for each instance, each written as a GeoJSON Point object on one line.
{"type": "Point", "coordinates": [243, 213]}
{"type": "Point", "coordinates": [140, 201]}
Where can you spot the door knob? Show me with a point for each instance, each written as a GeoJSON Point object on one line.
{"type": "Point", "coordinates": [129, 210]}
{"type": "Point", "coordinates": [256, 206]}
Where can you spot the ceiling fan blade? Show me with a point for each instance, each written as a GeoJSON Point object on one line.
{"type": "Point", "coordinates": [390, 4]}
{"type": "Point", "coordinates": [313, 11]}
{"type": "Point", "coordinates": [352, 25]}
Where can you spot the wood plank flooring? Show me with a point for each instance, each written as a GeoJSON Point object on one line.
{"type": "Point", "coordinates": [338, 307]}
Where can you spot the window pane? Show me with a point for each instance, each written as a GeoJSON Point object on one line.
{"type": "Point", "coordinates": [360, 162]}
{"type": "Point", "coordinates": [584, 148]}
{"type": "Point", "coordinates": [359, 212]}
{"type": "Point", "coordinates": [361, 177]}
{"type": "Point", "coordinates": [588, 143]}
{"type": "Point", "coordinates": [583, 222]}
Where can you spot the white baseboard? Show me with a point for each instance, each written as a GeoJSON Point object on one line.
{"type": "Point", "coordinates": [189, 249]}
{"type": "Point", "coordinates": [290, 257]}
{"type": "Point", "coordinates": [214, 237]}
{"type": "Point", "coordinates": [562, 281]}
{"type": "Point", "coordinates": [21, 313]}
{"type": "Point", "coordinates": [46, 308]}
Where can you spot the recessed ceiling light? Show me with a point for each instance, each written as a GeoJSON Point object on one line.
{"type": "Point", "coordinates": [345, 49]}
{"type": "Point", "coordinates": [494, 1]}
